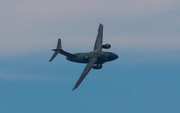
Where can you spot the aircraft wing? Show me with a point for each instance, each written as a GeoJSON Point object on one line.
{"type": "Point", "coordinates": [99, 38]}
{"type": "Point", "coordinates": [85, 72]}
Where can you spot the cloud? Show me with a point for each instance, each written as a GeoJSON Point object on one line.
{"type": "Point", "coordinates": [37, 9]}
{"type": "Point", "coordinates": [32, 26]}
{"type": "Point", "coordinates": [159, 43]}
{"type": "Point", "coordinates": [29, 11]}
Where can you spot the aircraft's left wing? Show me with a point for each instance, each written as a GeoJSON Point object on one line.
{"type": "Point", "coordinates": [99, 38]}
{"type": "Point", "coordinates": [85, 72]}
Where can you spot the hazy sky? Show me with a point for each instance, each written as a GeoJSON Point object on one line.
{"type": "Point", "coordinates": [144, 33]}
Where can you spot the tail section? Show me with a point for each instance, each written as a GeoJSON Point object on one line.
{"type": "Point", "coordinates": [54, 55]}
{"type": "Point", "coordinates": [59, 50]}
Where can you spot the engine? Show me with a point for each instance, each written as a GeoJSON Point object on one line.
{"type": "Point", "coordinates": [97, 66]}
{"type": "Point", "coordinates": [106, 46]}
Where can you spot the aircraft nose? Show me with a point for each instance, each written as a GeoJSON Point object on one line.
{"type": "Point", "coordinates": [115, 56]}
{"type": "Point", "coordinates": [112, 56]}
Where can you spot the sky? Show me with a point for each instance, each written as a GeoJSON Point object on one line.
{"type": "Point", "coordinates": [143, 33]}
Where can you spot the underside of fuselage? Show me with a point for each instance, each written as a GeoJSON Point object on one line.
{"type": "Point", "coordinates": [85, 57]}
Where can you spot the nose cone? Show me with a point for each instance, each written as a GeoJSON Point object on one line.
{"type": "Point", "coordinates": [115, 56]}
{"type": "Point", "coordinates": [112, 56]}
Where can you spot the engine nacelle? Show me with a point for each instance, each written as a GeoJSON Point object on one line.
{"type": "Point", "coordinates": [106, 46]}
{"type": "Point", "coordinates": [97, 66]}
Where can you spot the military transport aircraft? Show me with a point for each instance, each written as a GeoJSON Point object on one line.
{"type": "Point", "coordinates": [94, 59]}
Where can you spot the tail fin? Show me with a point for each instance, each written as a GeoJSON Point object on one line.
{"type": "Point", "coordinates": [59, 50]}
{"type": "Point", "coordinates": [59, 44]}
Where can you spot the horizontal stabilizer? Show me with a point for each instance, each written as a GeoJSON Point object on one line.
{"type": "Point", "coordinates": [54, 55]}
{"type": "Point", "coordinates": [59, 50]}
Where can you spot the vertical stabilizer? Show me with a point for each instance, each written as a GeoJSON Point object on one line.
{"type": "Point", "coordinates": [59, 50]}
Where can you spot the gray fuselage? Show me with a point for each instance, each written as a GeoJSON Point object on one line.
{"type": "Point", "coordinates": [100, 55]}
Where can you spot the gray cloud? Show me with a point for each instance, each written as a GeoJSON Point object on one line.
{"type": "Point", "coordinates": [30, 26]}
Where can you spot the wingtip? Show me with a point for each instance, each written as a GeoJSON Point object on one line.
{"type": "Point", "coordinates": [74, 87]}
{"type": "Point", "coordinates": [100, 27]}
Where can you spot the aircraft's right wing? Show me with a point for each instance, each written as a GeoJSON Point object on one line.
{"type": "Point", "coordinates": [99, 38]}
{"type": "Point", "coordinates": [85, 72]}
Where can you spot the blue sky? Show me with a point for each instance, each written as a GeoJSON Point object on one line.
{"type": "Point", "coordinates": [144, 79]}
